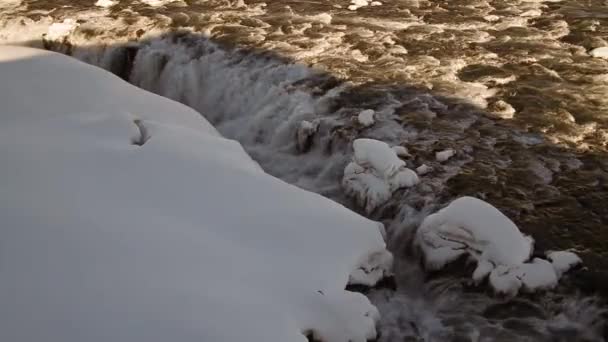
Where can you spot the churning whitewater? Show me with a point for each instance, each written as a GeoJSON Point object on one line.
{"type": "Point", "coordinates": [501, 101]}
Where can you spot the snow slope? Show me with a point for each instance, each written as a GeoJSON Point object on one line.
{"type": "Point", "coordinates": [127, 217]}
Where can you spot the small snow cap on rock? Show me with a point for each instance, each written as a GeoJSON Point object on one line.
{"type": "Point", "coordinates": [563, 261]}
{"type": "Point", "coordinates": [366, 118]}
{"type": "Point", "coordinates": [105, 3]}
{"type": "Point", "coordinates": [423, 169]}
{"type": "Point", "coordinates": [401, 151]}
{"type": "Point", "coordinates": [444, 155]}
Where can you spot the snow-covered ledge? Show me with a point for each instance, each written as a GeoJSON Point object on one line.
{"type": "Point", "coordinates": [127, 217]}
{"type": "Point", "coordinates": [470, 226]}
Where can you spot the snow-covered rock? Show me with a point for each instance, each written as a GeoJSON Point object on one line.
{"type": "Point", "coordinates": [157, 3]}
{"type": "Point", "coordinates": [469, 226]}
{"type": "Point", "coordinates": [127, 217]}
{"type": "Point", "coordinates": [444, 155]}
{"type": "Point", "coordinates": [600, 52]}
{"type": "Point", "coordinates": [563, 261]}
{"type": "Point", "coordinates": [366, 118]}
{"type": "Point", "coordinates": [375, 173]}
{"type": "Point", "coordinates": [106, 3]}
{"type": "Point", "coordinates": [356, 4]}
{"type": "Point", "coordinates": [377, 155]}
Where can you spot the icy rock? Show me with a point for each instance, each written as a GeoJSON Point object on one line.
{"type": "Point", "coordinates": [601, 52]}
{"type": "Point", "coordinates": [423, 169]}
{"type": "Point", "coordinates": [376, 3]}
{"type": "Point", "coordinates": [444, 155]}
{"type": "Point", "coordinates": [305, 134]}
{"type": "Point", "coordinates": [563, 261]}
{"type": "Point", "coordinates": [366, 118]}
{"type": "Point", "coordinates": [375, 174]}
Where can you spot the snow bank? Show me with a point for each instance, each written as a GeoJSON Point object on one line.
{"type": "Point", "coordinates": [469, 226]}
{"type": "Point", "coordinates": [127, 217]}
{"type": "Point", "coordinates": [375, 173]}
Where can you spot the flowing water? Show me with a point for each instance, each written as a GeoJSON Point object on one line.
{"type": "Point", "coordinates": [509, 85]}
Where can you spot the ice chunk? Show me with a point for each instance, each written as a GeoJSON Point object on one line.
{"type": "Point", "coordinates": [366, 118]}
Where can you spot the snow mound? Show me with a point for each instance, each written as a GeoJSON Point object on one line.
{"type": "Point", "coordinates": [375, 174]}
{"type": "Point", "coordinates": [127, 217]}
{"type": "Point", "coordinates": [469, 226]}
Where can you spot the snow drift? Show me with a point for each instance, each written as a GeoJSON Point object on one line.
{"type": "Point", "coordinates": [127, 217]}
{"type": "Point", "coordinates": [469, 226]}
